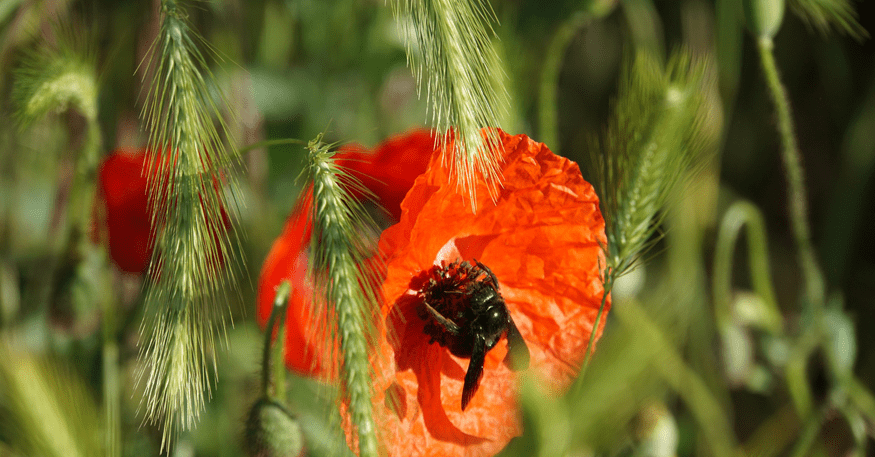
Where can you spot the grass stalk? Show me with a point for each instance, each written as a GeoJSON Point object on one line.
{"type": "Point", "coordinates": [339, 245]}
{"type": "Point", "coordinates": [808, 436]}
{"type": "Point", "coordinates": [111, 381]}
{"type": "Point", "coordinates": [607, 285]}
{"type": "Point", "coordinates": [797, 201]}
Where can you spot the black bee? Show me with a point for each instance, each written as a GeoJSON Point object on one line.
{"type": "Point", "coordinates": [464, 312]}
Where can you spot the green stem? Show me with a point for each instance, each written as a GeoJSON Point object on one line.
{"type": "Point", "coordinates": [798, 206]}
{"type": "Point", "coordinates": [548, 88]}
{"type": "Point", "coordinates": [797, 195]}
{"type": "Point", "coordinates": [795, 373]}
{"type": "Point", "coordinates": [684, 380]}
{"type": "Point", "coordinates": [608, 284]}
{"type": "Point", "coordinates": [773, 436]}
{"type": "Point", "coordinates": [276, 314]}
{"type": "Point", "coordinates": [83, 187]}
{"type": "Point", "coordinates": [743, 214]}
{"type": "Point", "coordinates": [861, 398]}
{"type": "Point", "coordinates": [809, 434]}
{"type": "Point", "coordinates": [279, 361]}
{"type": "Point", "coordinates": [269, 143]}
{"type": "Point", "coordinates": [111, 383]}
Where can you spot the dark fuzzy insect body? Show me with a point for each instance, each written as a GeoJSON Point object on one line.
{"type": "Point", "coordinates": [465, 312]}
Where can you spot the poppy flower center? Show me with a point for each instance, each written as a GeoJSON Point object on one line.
{"type": "Point", "coordinates": [458, 301]}
{"type": "Point", "coordinates": [463, 311]}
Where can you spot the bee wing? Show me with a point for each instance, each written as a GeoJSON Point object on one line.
{"type": "Point", "coordinates": [475, 370]}
{"type": "Point", "coordinates": [447, 324]}
{"type": "Point", "coordinates": [517, 357]}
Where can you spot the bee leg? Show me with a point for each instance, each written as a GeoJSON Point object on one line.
{"type": "Point", "coordinates": [488, 272]}
{"type": "Point", "coordinates": [517, 357]}
{"type": "Point", "coordinates": [475, 370]}
{"type": "Point", "coordinates": [447, 324]}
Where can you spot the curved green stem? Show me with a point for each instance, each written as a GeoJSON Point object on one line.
{"type": "Point", "coordinates": [743, 214]}
{"type": "Point", "coordinates": [798, 206]}
{"type": "Point", "coordinates": [861, 398]}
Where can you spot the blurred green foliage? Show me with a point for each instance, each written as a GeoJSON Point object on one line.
{"type": "Point", "coordinates": [673, 375]}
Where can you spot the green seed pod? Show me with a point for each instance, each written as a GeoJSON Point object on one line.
{"type": "Point", "coordinates": [764, 16]}
{"type": "Point", "coordinates": [272, 432]}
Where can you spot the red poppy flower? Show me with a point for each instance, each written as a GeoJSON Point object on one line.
{"type": "Point", "coordinates": [388, 172]}
{"type": "Point", "coordinates": [122, 188]}
{"type": "Point", "coordinates": [541, 238]}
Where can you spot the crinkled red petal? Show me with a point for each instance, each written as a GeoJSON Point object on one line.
{"type": "Point", "coordinates": [390, 169]}
{"type": "Point", "coordinates": [541, 239]}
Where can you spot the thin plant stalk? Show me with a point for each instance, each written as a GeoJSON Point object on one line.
{"type": "Point", "coordinates": [773, 435]}
{"type": "Point", "coordinates": [548, 125]}
{"type": "Point", "coordinates": [797, 196]}
{"type": "Point", "coordinates": [275, 357]}
{"type": "Point", "coordinates": [608, 284]}
{"type": "Point", "coordinates": [111, 382]}
{"type": "Point", "coordinates": [809, 434]}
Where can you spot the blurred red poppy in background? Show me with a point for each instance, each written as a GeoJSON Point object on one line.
{"type": "Point", "coordinates": [122, 188]}
{"type": "Point", "coordinates": [388, 172]}
{"type": "Point", "coordinates": [541, 238]}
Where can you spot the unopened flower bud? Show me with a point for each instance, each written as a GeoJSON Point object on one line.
{"type": "Point", "coordinates": [272, 432]}
{"type": "Point", "coordinates": [764, 16]}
